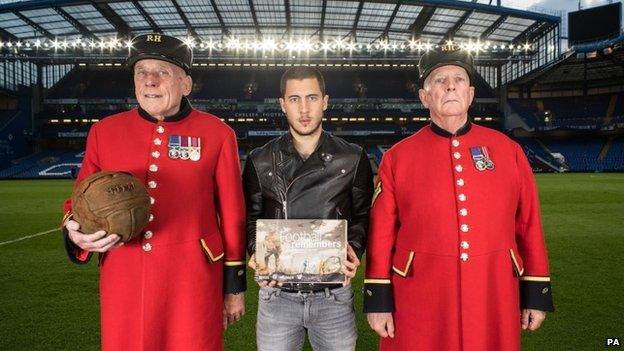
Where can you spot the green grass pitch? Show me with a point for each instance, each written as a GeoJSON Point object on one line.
{"type": "Point", "coordinates": [48, 303]}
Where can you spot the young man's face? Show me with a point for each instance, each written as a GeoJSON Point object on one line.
{"type": "Point", "coordinates": [159, 87]}
{"type": "Point", "coordinates": [303, 103]}
{"type": "Point", "coordinates": [447, 92]}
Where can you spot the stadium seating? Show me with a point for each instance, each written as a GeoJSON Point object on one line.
{"type": "Point", "coordinates": [94, 83]}
{"type": "Point", "coordinates": [45, 164]}
{"type": "Point", "coordinates": [614, 159]}
{"type": "Point", "coordinates": [570, 112]}
{"type": "Point", "coordinates": [247, 84]}
{"type": "Point", "coordinates": [580, 155]}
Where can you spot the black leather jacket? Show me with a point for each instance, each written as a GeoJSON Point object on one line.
{"type": "Point", "coordinates": [335, 182]}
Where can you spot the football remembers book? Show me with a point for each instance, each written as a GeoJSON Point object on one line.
{"type": "Point", "coordinates": [301, 250]}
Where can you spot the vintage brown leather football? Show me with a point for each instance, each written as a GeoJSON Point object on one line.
{"type": "Point", "coordinates": [115, 202]}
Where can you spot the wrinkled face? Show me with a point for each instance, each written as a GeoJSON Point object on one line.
{"type": "Point", "coordinates": [447, 92]}
{"type": "Point", "coordinates": [303, 103]}
{"type": "Point", "coordinates": [159, 87]}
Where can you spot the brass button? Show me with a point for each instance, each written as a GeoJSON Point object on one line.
{"type": "Point", "coordinates": [455, 142]}
{"type": "Point", "coordinates": [464, 228]}
{"type": "Point", "coordinates": [463, 212]}
{"type": "Point", "coordinates": [457, 155]}
{"type": "Point", "coordinates": [155, 154]}
{"type": "Point", "coordinates": [148, 234]}
{"type": "Point", "coordinates": [153, 168]}
{"type": "Point", "coordinates": [151, 217]}
{"type": "Point", "coordinates": [240, 272]}
{"type": "Point", "coordinates": [160, 129]}
{"type": "Point", "coordinates": [460, 182]}
{"type": "Point", "coordinates": [463, 257]}
{"type": "Point", "coordinates": [459, 168]}
{"type": "Point", "coordinates": [147, 247]}
{"type": "Point", "coordinates": [152, 200]}
{"type": "Point", "coordinates": [151, 184]}
{"type": "Point", "coordinates": [464, 245]}
{"type": "Point", "coordinates": [461, 197]}
{"type": "Point", "coordinates": [157, 141]}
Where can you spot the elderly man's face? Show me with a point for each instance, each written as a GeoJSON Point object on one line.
{"type": "Point", "coordinates": [304, 103]}
{"type": "Point", "coordinates": [447, 92]}
{"type": "Point", "coordinates": [159, 87]}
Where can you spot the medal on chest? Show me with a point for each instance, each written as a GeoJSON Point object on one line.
{"type": "Point", "coordinates": [184, 147]}
{"type": "Point", "coordinates": [481, 158]}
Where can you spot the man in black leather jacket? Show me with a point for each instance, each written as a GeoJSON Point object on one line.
{"type": "Point", "coordinates": [308, 174]}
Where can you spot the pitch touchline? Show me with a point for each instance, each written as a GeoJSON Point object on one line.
{"type": "Point", "coordinates": [28, 236]}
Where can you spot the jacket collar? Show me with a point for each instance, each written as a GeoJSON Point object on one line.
{"type": "Point", "coordinates": [324, 150]}
{"type": "Point", "coordinates": [185, 110]}
{"type": "Point", "coordinates": [324, 153]}
{"type": "Point", "coordinates": [444, 133]}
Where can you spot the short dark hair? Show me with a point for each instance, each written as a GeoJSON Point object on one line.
{"type": "Point", "coordinates": [299, 73]}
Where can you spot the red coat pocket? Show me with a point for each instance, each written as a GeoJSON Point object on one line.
{"type": "Point", "coordinates": [402, 261]}
{"type": "Point", "coordinates": [517, 263]}
{"type": "Point", "coordinates": [213, 247]}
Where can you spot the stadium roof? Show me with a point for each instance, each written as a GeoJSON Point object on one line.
{"type": "Point", "coordinates": [603, 65]}
{"type": "Point", "coordinates": [362, 23]}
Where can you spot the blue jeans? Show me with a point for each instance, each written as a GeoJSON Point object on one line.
{"type": "Point", "coordinates": [327, 316]}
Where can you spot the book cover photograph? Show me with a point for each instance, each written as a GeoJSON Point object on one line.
{"type": "Point", "coordinates": [301, 250]}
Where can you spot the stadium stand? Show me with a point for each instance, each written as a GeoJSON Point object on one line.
{"type": "Point", "coordinates": [45, 164]}
{"type": "Point", "coordinates": [373, 94]}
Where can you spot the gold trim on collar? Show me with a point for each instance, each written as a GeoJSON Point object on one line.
{"type": "Point", "coordinates": [377, 281]}
{"type": "Point", "coordinates": [535, 279]}
{"type": "Point", "coordinates": [377, 192]}
{"type": "Point", "coordinates": [519, 271]}
{"type": "Point", "coordinates": [403, 273]}
{"type": "Point", "coordinates": [207, 250]}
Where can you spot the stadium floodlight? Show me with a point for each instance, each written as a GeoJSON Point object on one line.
{"type": "Point", "coordinates": [112, 43]}
{"type": "Point", "coordinates": [268, 44]}
{"type": "Point", "coordinates": [326, 46]}
{"type": "Point", "coordinates": [233, 43]}
{"type": "Point", "coordinates": [190, 42]}
{"type": "Point", "coordinates": [342, 46]}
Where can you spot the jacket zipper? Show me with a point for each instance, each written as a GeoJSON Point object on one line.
{"type": "Point", "coordinates": [285, 201]}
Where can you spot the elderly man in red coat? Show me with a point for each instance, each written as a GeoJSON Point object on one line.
{"type": "Point", "coordinates": [456, 257]}
{"type": "Point", "coordinates": [182, 281]}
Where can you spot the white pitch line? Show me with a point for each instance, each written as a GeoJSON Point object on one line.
{"type": "Point", "coordinates": [28, 236]}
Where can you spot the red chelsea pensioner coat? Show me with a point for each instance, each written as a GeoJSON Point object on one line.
{"type": "Point", "coordinates": [455, 251]}
{"type": "Point", "coordinates": [164, 291]}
